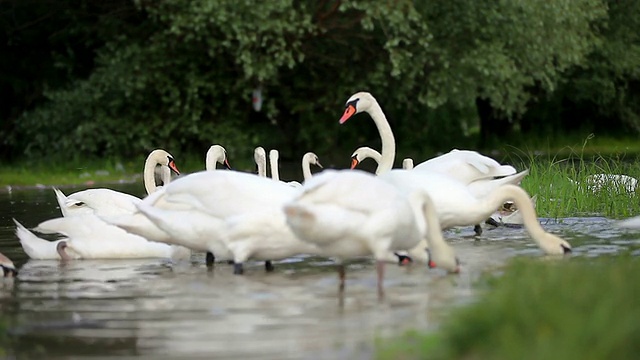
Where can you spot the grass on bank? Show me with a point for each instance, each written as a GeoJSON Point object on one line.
{"type": "Point", "coordinates": [564, 184]}
{"type": "Point", "coordinates": [586, 308]}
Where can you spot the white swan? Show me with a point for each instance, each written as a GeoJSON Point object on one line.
{"type": "Point", "coordinates": [457, 206]}
{"type": "Point", "coordinates": [88, 237]}
{"type": "Point", "coordinates": [463, 164]}
{"type": "Point", "coordinates": [630, 223]}
{"type": "Point", "coordinates": [407, 164]}
{"type": "Point", "coordinates": [109, 202]}
{"type": "Point", "coordinates": [596, 182]}
{"type": "Point", "coordinates": [260, 157]}
{"type": "Point", "coordinates": [7, 269]}
{"type": "Point", "coordinates": [243, 211]}
{"type": "Point", "coordinates": [352, 213]}
{"type": "Point", "coordinates": [216, 155]}
{"type": "Point", "coordinates": [308, 159]}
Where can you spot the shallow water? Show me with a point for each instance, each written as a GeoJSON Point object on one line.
{"type": "Point", "coordinates": [158, 309]}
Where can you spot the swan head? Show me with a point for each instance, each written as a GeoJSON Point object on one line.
{"type": "Point", "coordinates": [363, 153]}
{"type": "Point", "coordinates": [218, 154]}
{"type": "Point", "coordinates": [357, 103]}
{"type": "Point", "coordinates": [7, 269]}
{"type": "Point", "coordinates": [163, 158]}
{"type": "Point", "coordinates": [553, 245]}
{"type": "Point", "coordinates": [444, 259]}
{"type": "Point", "coordinates": [313, 159]}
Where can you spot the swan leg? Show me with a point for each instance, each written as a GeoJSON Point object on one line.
{"type": "Point", "coordinates": [9, 272]}
{"type": "Point", "coordinates": [210, 258]}
{"type": "Point", "coordinates": [380, 271]}
{"type": "Point", "coordinates": [238, 269]}
{"type": "Point", "coordinates": [63, 254]}
{"type": "Point", "coordinates": [477, 229]}
{"type": "Point", "coordinates": [268, 266]}
{"type": "Point", "coordinates": [492, 222]}
{"type": "Point", "coordinates": [341, 277]}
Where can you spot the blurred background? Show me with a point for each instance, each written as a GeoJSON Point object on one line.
{"type": "Point", "coordinates": [82, 80]}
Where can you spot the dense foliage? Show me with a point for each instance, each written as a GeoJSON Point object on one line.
{"type": "Point", "coordinates": [121, 77]}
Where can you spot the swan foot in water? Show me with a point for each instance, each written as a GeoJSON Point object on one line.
{"type": "Point", "coordinates": [60, 249]}
{"type": "Point", "coordinates": [477, 229]}
{"type": "Point", "coordinates": [238, 269]}
{"type": "Point", "coordinates": [268, 266]}
{"type": "Point", "coordinates": [210, 259]}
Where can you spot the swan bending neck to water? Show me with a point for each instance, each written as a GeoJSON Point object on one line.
{"type": "Point", "coordinates": [365, 102]}
{"type": "Point", "coordinates": [458, 206]}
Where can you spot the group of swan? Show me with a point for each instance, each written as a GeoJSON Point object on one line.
{"type": "Point", "coordinates": [87, 236]}
{"type": "Point", "coordinates": [337, 213]}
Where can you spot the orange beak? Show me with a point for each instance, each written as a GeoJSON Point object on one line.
{"type": "Point", "coordinates": [431, 264]}
{"type": "Point", "coordinates": [348, 112]}
{"type": "Point", "coordinates": [226, 164]}
{"type": "Point", "coordinates": [172, 166]}
{"type": "Point", "coordinates": [354, 163]}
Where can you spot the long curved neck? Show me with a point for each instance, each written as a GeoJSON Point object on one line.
{"type": "Point", "coordinates": [306, 167]}
{"type": "Point", "coordinates": [367, 152]}
{"type": "Point", "coordinates": [434, 231]}
{"type": "Point", "coordinates": [386, 135]}
{"type": "Point", "coordinates": [273, 161]}
{"type": "Point", "coordinates": [524, 204]}
{"type": "Point", "coordinates": [148, 175]}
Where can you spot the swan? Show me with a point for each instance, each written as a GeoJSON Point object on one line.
{"type": "Point", "coordinates": [596, 182]}
{"type": "Point", "coordinates": [465, 164]}
{"type": "Point", "coordinates": [7, 269]}
{"type": "Point", "coordinates": [407, 164]}
{"type": "Point", "coordinates": [243, 212]}
{"type": "Point", "coordinates": [216, 155]}
{"type": "Point", "coordinates": [630, 223]}
{"type": "Point", "coordinates": [260, 157]}
{"type": "Point", "coordinates": [352, 213]}
{"type": "Point", "coordinates": [88, 237]}
{"type": "Point", "coordinates": [308, 159]}
{"type": "Point", "coordinates": [462, 165]}
{"type": "Point", "coordinates": [458, 206]}
{"type": "Point", "coordinates": [109, 202]}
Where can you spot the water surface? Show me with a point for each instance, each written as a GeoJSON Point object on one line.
{"type": "Point", "coordinates": [155, 308]}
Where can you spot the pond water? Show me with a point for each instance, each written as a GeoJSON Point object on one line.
{"type": "Point", "coordinates": [154, 308]}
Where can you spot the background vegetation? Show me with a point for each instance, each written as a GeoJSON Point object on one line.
{"type": "Point", "coordinates": [82, 79]}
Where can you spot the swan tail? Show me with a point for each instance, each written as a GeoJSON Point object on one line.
{"type": "Point", "coordinates": [35, 247]}
{"type": "Point", "coordinates": [62, 201]}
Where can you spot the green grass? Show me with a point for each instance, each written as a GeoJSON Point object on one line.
{"type": "Point", "coordinates": [578, 309]}
{"type": "Point", "coordinates": [560, 182]}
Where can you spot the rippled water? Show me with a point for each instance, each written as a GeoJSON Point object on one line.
{"type": "Point", "coordinates": [159, 309]}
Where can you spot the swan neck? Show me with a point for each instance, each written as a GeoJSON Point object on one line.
{"type": "Point", "coordinates": [386, 135]}
{"type": "Point", "coordinates": [212, 160]}
{"type": "Point", "coordinates": [306, 168]}
{"type": "Point", "coordinates": [524, 205]}
{"type": "Point", "coordinates": [148, 175]}
{"type": "Point", "coordinates": [275, 173]}
{"type": "Point", "coordinates": [435, 240]}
